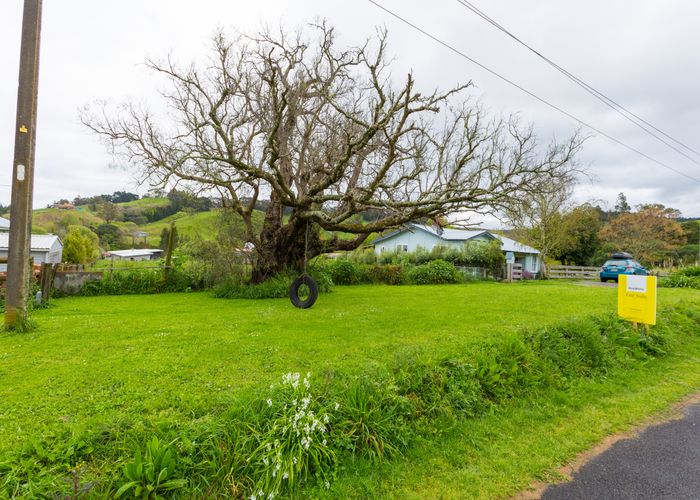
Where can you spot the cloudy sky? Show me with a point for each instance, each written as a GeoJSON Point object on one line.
{"type": "Point", "coordinates": [642, 54]}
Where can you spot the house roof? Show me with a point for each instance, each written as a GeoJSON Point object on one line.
{"type": "Point", "coordinates": [39, 242]}
{"type": "Point", "coordinates": [135, 252]}
{"type": "Point", "coordinates": [449, 234]}
{"type": "Point", "coordinates": [4, 224]}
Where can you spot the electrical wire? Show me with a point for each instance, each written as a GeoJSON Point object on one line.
{"type": "Point", "coordinates": [617, 107]}
{"type": "Point", "coordinates": [531, 94]}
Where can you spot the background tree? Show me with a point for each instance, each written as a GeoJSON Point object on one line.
{"type": "Point", "coordinates": [80, 246]}
{"type": "Point", "coordinates": [109, 235]}
{"type": "Point", "coordinates": [323, 132]}
{"type": "Point", "coordinates": [581, 226]}
{"type": "Point", "coordinates": [110, 212]}
{"type": "Point", "coordinates": [621, 205]}
{"type": "Point", "coordinates": [538, 216]}
{"type": "Point", "coordinates": [651, 234]}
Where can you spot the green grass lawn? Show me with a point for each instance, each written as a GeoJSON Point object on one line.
{"type": "Point", "coordinates": [115, 363]}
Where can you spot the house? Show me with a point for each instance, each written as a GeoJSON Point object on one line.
{"type": "Point", "coordinates": [43, 248]}
{"type": "Point", "coordinates": [4, 225]}
{"type": "Point", "coordinates": [413, 236]}
{"type": "Point", "coordinates": [136, 254]}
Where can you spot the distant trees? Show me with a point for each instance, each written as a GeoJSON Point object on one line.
{"type": "Point", "coordinates": [581, 226]}
{"type": "Point", "coordinates": [651, 234]}
{"type": "Point", "coordinates": [110, 212]}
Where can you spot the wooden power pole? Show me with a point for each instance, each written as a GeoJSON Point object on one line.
{"type": "Point", "coordinates": [23, 168]}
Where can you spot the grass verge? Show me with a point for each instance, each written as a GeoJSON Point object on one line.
{"type": "Point", "coordinates": [124, 384]}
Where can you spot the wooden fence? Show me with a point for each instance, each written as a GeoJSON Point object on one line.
{"type": "Point", "coordinates": [573, 272]}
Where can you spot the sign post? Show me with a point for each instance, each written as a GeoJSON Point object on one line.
{"type": "Point", "coordinates": [636, 299]}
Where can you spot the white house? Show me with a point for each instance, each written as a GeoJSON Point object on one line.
{"type": "Point", "coordinates": [136, 254]}
{"type": "Point", "coordinates": [412, 236]}
{"type": "Point", "coordinates": [43, 248]}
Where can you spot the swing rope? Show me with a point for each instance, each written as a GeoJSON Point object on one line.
{"type": "Point", "coordinates": [306, 249]}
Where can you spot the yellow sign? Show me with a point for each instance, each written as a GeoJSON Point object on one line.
{"type": "Point", "coordinates": [636, 298]}
{"type": "Point", "coordinates": [23, 129]}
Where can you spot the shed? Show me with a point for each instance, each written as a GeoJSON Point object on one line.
{"type": "Point", "coordinates": [136, 254]}
{"type": "Point", "coordinates": [43, 248]}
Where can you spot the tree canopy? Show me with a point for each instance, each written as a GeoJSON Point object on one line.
{"type": "Point", "coordinates": [325, 133]}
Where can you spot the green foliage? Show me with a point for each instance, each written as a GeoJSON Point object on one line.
{"type": "Point", "coordinates": [690, 271]}
{"type": "Point", "coordinates": [343, 272]}
{"type": "Point", "coordinates": [155, 474]}
{"type": "Point", "coordinates": [436, 272]}
{"type": "Point", "coordinates": [195, 373]}
{"type": "Point", "coordinates": [138, 281]}
{"type": "Point", "coordinates": [80, 245]}
{"type": "Point", "coordinates": [274, 288]}
{"type": "Point", "coordinates": [288, 439]}
{"type": "Point", "coordinates": [686, 277]}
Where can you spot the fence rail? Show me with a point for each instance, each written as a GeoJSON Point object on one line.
{"type": "Point", "coordinates": [573, 272]}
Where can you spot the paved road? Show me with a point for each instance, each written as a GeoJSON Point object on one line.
{"type": "Point", "coordinates": [662, 463]}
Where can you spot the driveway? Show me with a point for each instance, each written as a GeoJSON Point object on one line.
{"type": "Point", "coordinates": [663, 462]}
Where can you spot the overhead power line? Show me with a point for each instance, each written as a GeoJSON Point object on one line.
{"type": "Point", "coordinates": [612, 104]}
{"type": "Point", "coordinates": [531, 94]}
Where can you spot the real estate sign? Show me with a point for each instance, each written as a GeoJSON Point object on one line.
{"type": "Point", "coordinates": [636, 298]}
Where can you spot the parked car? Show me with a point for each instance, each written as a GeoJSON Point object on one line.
{"type": "Point", "coordinates": [621, 263]}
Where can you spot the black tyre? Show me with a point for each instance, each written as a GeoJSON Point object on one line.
{"type": "Point", "coordinates": [603, 280]}
{"type": "Point", "coordinates": [303, 303]}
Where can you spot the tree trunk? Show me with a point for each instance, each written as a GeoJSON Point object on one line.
{"type": "Point", "coordinates": [283, 246]}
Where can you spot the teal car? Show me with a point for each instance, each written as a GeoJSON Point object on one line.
{"type": "Point", "coordinates": [618, 265]}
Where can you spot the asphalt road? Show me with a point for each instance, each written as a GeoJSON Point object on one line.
{"type": "Point", "coordinates": [663, 462]}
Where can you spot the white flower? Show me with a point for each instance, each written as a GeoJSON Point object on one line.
{"type": "Point", "coordinates": [253, 497]}
{"type": "Point", "coordinates": [271, 496]}
{"type": "Point", "coordinates": [328, 485]}
{"type": "Point", "coordinates": [285, 476]}
{"type": "Point", "coordinates": [295, 460]}
{"type": "Point", "coordinates": [336, 406]}
{"type": "Point", "coordinates": [269, 402]}
{"type": "Point", "coordinates": [326, 419]}
{"type": "Point", "coordinates": [307, 384]}
{"type": "Point", "coordinates": [325, 442]}
{"type": "Point", "coordinates": [265, 461]}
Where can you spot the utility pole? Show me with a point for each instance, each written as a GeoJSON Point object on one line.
{"type": "Point", "coordinates": [23, 168]}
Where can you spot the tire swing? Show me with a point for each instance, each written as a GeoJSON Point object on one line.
{"type": "Point", "coordinates": [304, 280]}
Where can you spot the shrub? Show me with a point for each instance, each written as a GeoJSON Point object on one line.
{"type": "Point", "coordinates": [343, 271]}
{"type": "Point", "coordinates": [151, 476]}
{"type": "Point", "coordinates": [690, 271]}
{"type": "Point", "coordinates": [436, 272]}
{"type": "Point", "coordinates": [389, 274]}
{"type": "Point", "coordinates": [138, 281]}
{"type": "Point", "coordinates": [687, 277]}
{"type": "Point", "coordinates": [275, 288]}
{"type": "Point", "coordinates": [289, 441]}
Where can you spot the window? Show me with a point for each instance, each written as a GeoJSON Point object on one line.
{"type": "Point", "coordinates": [402, 248]}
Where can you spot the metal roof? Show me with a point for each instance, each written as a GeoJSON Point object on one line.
{"type": "Point", "coordinates": [4, 224]}
{"type": "Point", "coordinates": [449, 234]}
{"type": "Point", "coordinates": [39, 242]}
{"type": "Point", "coordinates": [135, 252]}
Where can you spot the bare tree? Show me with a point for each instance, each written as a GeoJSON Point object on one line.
{"type": "Point", "coordinates": [538, 216]}
{"type": "Point", "coordinates": [323, 132]}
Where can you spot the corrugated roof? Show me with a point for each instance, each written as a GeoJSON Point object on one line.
{"type": "Point", "coordinates": [515, 246]}
{"type": "Point", "coordinates": [135, 252]}
{"type": "Point", "coordinates": [449, 234]}
{"type": "Point", "coordinates": [39, 242]}
{"type": "Point", "coordinates": [4, 224]}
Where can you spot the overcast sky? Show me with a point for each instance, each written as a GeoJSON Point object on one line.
{"type": "Point", "coordinates": [643, 54]}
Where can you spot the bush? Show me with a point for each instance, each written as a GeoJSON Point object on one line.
{"type": "Point", "coordinates": [690, 271]}
{"type": "Point", "coordinates": [389, 274]}
{"type": "Point", "coordinates": [436, 272]}
{"type": "Point", "coordinates": [145, 281]}
{"type": "Point", "coordinates": [687, 277]}
{"type": "Point", "coordinates": [343, 271]}
{"type": "Point", "coordinates": [275, 288]}
{"type": "Point", "coordinates": [681, 281]}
